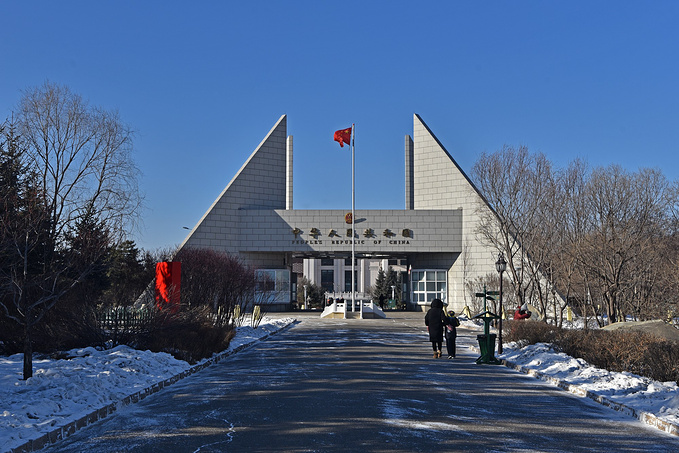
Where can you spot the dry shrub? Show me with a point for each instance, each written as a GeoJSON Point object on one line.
{"type": "Point", "coordinates": [632, 351]}
{"type": "Point", "coordinates": [525, 333]}
{"type": "Point", "coordinates": [214, 278]}
{"type": "Point", "coordinates": [68, 329]}
{"type": "Point", "coordinates": [662, 361]}
{"type": "Point", "coordinates": [589, 345]}
{"type": "Point", "coordinates": [189, 335]}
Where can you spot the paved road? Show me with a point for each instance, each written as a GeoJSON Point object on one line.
{"type": "Point", "coordinates": [363, 385]}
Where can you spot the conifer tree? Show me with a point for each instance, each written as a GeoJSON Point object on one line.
{"type": "Point", "coordinates": [79, 177]}
{"type": "Point", "coordinates": [379, 293]}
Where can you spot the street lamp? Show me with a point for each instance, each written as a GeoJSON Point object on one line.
{"type": "Point", "coordinates": [501, 266]}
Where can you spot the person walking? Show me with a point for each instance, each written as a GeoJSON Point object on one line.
{"type": "Point", "coordinates": [435, 320]}
{"type": "Point", "coordinates": [451, 333]}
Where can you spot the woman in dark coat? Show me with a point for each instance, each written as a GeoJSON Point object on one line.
{"type": "Point", "coordinates": [435, 320]}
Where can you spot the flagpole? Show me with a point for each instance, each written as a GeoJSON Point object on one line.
{"type": "Point", "coordinates": [353, 219]}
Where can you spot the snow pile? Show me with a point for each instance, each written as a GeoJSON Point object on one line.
{"type": "Point", "coordinates": [62, 391]}
{"type": "Point", "coordinates": [639, 393]}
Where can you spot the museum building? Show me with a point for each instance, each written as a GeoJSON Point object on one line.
{"type": "Point", "coordinates": [432, 242]}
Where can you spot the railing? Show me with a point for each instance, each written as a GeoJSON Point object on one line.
{"type": "Point", "coordinates": [347, 296]}
{"type": "Point", "coordinates": [123, 318]}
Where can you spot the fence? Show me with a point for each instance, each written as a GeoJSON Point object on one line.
{"type": "Point", "coordinates": [123, 319]}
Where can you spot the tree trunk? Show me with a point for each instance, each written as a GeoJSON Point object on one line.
{"type": "Point", "coordinates": [612, 309]}
{"type": "Point", "coordinates": [28, 353]}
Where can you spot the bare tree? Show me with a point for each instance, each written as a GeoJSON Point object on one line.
{"type": "Point", "coordinates": [84, 156]}
{"type": "Point", "coordinates": [604, 237]}
{"type": "Point", "coordinates": [81, 156]}
{"type": "Point", "coordinates": [626, 220]}
{"type": "Point", "coordinates": [219, 280]}
{"type": "Point", "coordinates": [570, 230]}
{"type": "Point", "coordinates": [519, 186]}
{"type": "Point", "coordinates": [540, 236]}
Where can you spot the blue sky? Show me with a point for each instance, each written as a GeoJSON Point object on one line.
{"type": "Point", "coordinates": [202, 82]}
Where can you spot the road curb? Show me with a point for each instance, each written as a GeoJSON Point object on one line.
{"type": "Point", "coordinates": [70, 428]}
{"type": "Point", "coordinates": [645, 417]}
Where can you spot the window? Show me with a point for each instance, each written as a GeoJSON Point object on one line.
{"type": "Point", "coordinates": [327, 262]}
{"type": "Point", "coordinates": [428, 285]}
{"type": "Point", "coordinates": [265, 280]}
{"type": "Point", "coordinates": [272, 285]}
{"type": "Point", "coordinates": [328, 279]}
{"type": "Point", "coordinates": [283, 280]}
{"type": "Point", "coordinates": [347, 281]}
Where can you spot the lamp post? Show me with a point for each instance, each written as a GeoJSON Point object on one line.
{"type": "Point", "coordinates": [392, 292]}
{"type": "Point", "coordinates": [501, 266]}
{"type": "Point", "coordinates": [305, 307]}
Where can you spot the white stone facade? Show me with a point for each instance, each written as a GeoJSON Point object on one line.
{"type": "Point", "coordinates": [439, 183]}
{"type": "Point", "coordinates": [254, 217]}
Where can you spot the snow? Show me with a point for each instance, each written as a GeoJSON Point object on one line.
{"type": "Point", "coordinates": [62, 391]}
{"type": "Point", "coordinates": [633, 391]}
{"type": "Point", "coordinates": [656, 403]}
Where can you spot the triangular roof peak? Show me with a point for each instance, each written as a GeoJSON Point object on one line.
{"type": "Point", "coordinates": [436, 174]}
{"type": "Point", "coordinates": [260, 183]}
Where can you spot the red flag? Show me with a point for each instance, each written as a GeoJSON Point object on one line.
{"type": "Point", "coordinates": [343, 136]}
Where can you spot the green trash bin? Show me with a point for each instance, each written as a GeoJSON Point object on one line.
{"type": "Point", "coordinates": [487, 347]}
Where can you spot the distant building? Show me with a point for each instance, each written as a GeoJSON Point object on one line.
{"type": "Point", "coordinates": [432, 240]}
{"type": "Point", "coordinates": [334, 275]}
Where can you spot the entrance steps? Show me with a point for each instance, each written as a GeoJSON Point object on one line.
{"type": "Point", "coordinates": [364, 310]}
